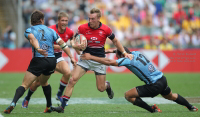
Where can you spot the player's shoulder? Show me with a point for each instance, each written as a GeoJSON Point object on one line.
{"type": "Point", "coordinates": [84, 25]}
{"type": "Point", "coordinates": [105, 27]}
{"type": "Point", "coordinates": [28, 30]}
{"type": "Point", "coordinates": [68, 30]}
{"type": "Point", "coordinates": [53, 26]}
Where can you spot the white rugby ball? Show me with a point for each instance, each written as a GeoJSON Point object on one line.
{"type": "Point", "coordinates": [80, 38]}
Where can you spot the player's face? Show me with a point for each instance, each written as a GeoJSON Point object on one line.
{"type": "Point", "coordinates": [63, 23]}
{"type": "Point", "coordinates": [94, 20]}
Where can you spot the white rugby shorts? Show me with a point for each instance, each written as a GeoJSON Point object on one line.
{"type": "Point", "coordinates": [93, 66]}
{"type": "Point", "coordinates": [60, 59]}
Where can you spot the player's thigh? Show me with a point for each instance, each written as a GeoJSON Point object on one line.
{"type": "Point", "coordinates": [132, 93]}
{"type": "Point", "coordinates": [43, 79]}
{"type": "Point", "coordinates": [29, 78]}
{"type": "Point", "coordinates": [63, 67]}
{"type": "Point", "coordinates": [78, 73]}
{"type": "Point", "coordinates": [100, 81]}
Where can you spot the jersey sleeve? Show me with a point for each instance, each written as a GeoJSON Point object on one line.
{"type": "Point", "coordinates": [27, 32]}
{"type": "Point", "coordinates": [80, 30]}
{"type": "Point", "coordinates": [71, 34]}
{"type": "Point", "coordinates": [110, 34]}
{"type": "Point", "coordinates": [123, 61]}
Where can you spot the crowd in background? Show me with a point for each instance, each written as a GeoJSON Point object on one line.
{"type": "Point", "coordinates": [148, 24]}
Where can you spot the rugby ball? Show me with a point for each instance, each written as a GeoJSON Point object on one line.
{"type": "Point", "coordinates": [79, 39]}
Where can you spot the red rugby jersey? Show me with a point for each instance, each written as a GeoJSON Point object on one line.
{"type": "Point", "coordinates": [96, 38]}
{"type": "Point", "coordinates": [68, 34]}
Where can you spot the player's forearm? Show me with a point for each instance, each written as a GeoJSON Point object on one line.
{"type": "Point", "coordinates": [57, 47]}
{"type": "Point", "coordinates": [119, 46]}
{"type": "Point", "coordinates": [33, 41]}
{"type": "Point", "coordinates": [104, 61]}
{"type": "Point", "coordinates": [67, 51]}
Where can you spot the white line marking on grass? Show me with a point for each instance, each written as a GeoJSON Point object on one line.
{"type": "Point", "coordinates": [1, 115]}
{"type": "Point", "coordinates": [156, 100]}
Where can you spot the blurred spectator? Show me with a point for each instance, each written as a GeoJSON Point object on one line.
{"type": "Point", "coordinates": [8, 38]}
{"type": "Point", "coordinates": [165, 45]}
{"type": "Point", "coordinates": [179, 15]}
{"type": "Point", "coordinates": [150, 45]}
{"type": "Point", "coordinates": [131, 20]}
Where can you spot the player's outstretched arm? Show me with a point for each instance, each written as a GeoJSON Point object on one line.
{"type": "Point", "coordinates": [35, 44]}
{"type": "Point", "coordinates": [106, 61]}
{"type": "Point", "coordinates": [121, 49]}
{"type": "Point", "coordinates": [65, 48]}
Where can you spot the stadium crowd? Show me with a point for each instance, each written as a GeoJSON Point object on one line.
{"type": "Point", "coordinates": [148, 24]}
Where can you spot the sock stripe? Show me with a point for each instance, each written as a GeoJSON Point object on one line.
{"type": "Point", "coordinates": [65, 97]}
{"type": "Point", "coordinates": [31, 89]}
{"type": "Point", "coordinates": [63, 83]}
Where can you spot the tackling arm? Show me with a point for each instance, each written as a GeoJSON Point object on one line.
{"type": "Point", "coordinates": [105, 61]}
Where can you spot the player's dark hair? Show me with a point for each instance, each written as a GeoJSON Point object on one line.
{"type": "Point", "coordinates": [120, 53]}
{"type": "Point", "coordinates": [36, 17]}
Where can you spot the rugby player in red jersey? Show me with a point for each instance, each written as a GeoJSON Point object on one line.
{"type": "Point", "coordinates": [62, 67]}
{"type": "Point", "coordinates": [96, 34]}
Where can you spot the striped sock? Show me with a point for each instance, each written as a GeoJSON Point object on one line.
{"type": "Point", "coordinates": [65, 100]}
{"type": "Point", "coordinates": [61, 88]}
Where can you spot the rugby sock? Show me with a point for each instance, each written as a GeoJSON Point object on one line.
{"type": "Point", "coordinates": [30, 92]}
{"type": "Point", "coordinates": [139, 102]}
{"type": "Point", "coordinates": [182, 101]}
{"type": "Point", "coordinates": [61, 88]}
{"type": "Point", "coordinates": [47, 93]}
{"type": "Point", "coordinates": [65, 100]}
{"type": "Point", "coordinates": [19, 92]}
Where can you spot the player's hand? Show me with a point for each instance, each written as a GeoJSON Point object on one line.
{"type": "Point", "coordinates": [86, 56]}
{"type": "Point", "coordinates": [73, 61]}
{"type": "Point", "coordinates": [42, 52]}
{"type": "Point", "coordinates": [130, 56]}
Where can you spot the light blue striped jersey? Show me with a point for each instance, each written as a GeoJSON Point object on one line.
{"type": "Point", "coordinates": [141, 67]}
{"type": "Point", "coordinates": [45, 37]}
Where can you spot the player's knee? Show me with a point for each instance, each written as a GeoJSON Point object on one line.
{"type": "Point", "coordinates": [73, 81]}
{"type": "Point", "coordinates": [101, 88]}
{"type": "Point", "coordinates": [67, 73]}
{"type": "Point", "coordinates": [37, 84]}
{"type": "Point", "coordinates": [126, 96]}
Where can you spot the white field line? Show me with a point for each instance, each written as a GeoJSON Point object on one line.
{"type": "Point", "coordinates": [1, 115]}
{"type": "Point", "coordinates": [156, 100]}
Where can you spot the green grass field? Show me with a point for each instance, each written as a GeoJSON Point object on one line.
{"type": "Point", "coordinates": [87, 101]}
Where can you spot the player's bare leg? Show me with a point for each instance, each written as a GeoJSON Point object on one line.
{"type": "Point", "coordinates": [133, 97]}
{"type": "Point", "coordinates": [102, 85]}
{"type": "Point", "coordinates": [31, 90]}
{"type": "Point", "coordinates": [76, 75]}
{"type": "Point", "coordinates": [180, 100]}
{"type": "Point", "coordinates": [64, 69]}
{"type": "Point", "coordinates": [29, 78]}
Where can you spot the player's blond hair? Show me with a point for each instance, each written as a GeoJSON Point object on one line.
{"type": "Point", "coordinates": [62, 14]}
{"type": "Point", "coordinates": [95, 10]}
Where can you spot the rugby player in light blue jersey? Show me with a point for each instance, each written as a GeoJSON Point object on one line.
{"type": "Point", "coordinates": [155, 81]}
{"type": "Point", "coordinates": [43, 62]}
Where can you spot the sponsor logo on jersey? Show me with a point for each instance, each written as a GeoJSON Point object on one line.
{"type": "Point", "coordinates": [45, 47]}
{"type": "Point", "coordinates": [151, 68]}
{"type": "Point", "coordinates": [94, 38]}
{"type": "Point", "coordinates": [100, 33]}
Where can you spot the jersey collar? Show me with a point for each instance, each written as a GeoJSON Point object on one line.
{"type": "Point", "coordinates": [96, 28]}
